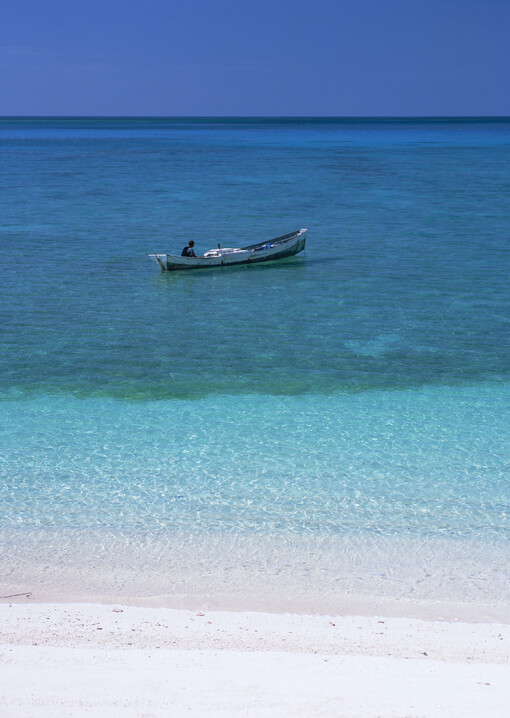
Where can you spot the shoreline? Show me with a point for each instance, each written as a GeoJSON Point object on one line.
{"type": "Point", "coordinates": [341, 606]}
{"type": "Point", "coordinates": [76, 624]}
{"type": "Point", "coordinates": [398, 577]}
{"type": "Point", "coordinates": [92, 659]}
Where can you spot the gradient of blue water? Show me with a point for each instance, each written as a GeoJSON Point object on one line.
{"type": "Point", "coordinates": [424, 464]}
{"type": "Point", "coordinates": [358, 390]}
{"type": "Point", "coordinates": [404, 281]}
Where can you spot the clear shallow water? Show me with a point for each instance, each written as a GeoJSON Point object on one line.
{"type": "Point", "coordinates": [358, 393]}
{"type": "Point", "coordinates": [429, 463]}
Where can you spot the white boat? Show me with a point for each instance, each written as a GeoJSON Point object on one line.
{"type": "Point", "coordinates": [285, 246]}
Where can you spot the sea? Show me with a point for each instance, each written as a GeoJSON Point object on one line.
{"type": "Point", "coordinates": [326, 433]}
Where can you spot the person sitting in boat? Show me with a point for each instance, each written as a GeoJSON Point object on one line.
{"type": "Point", "coordinates": [188, 251]}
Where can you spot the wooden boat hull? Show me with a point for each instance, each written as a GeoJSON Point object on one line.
{"type": "Point", "coordinates": [280, 248]}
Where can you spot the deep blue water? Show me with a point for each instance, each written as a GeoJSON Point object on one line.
{"type": "Point", "coordinates": [359, 389]}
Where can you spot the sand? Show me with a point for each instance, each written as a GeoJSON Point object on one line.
{"type": "Point", "coordinates": [104, 660]}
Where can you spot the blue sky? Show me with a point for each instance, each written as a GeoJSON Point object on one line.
{"type": "Point", "coordinates": [255, 57]}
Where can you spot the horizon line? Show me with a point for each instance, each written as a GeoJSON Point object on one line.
{"type": "Point", "coordinates": [262, 117]}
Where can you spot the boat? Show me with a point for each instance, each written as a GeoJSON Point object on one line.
{"type": "Point", "coordinates": [279, 248]}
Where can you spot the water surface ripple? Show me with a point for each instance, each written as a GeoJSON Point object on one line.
{"type": "Point", "coordinates": [331, 425]}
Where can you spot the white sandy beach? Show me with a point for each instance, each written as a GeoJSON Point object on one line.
{"type": "Point", "coordinates": [104, 660]}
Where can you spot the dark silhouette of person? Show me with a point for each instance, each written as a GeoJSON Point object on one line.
{"type": "Point", "coordinates": [188, 250]}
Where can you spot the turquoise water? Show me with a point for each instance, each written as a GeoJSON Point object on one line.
{"type": "Point", "coordinates": [315, 410]}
